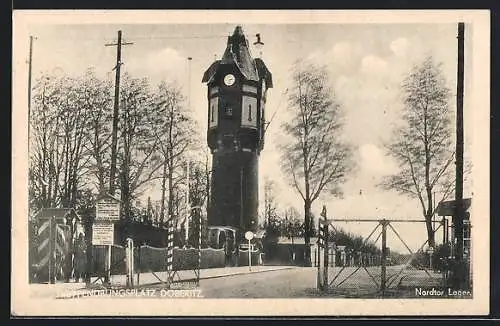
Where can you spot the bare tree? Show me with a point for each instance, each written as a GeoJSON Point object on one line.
{"type": "Point", "coordinates": [197, 197]}
{"type": "Point", "coordinates": [293, 224]}
{"type": "Point", "coordinates": [270, 205]}
{"type": "Point", "coordinates": [73, 116]}
{"type": "Point", "coordinates": [139, 159]}
{"type": "Point", "coordinates": [44, 164]}
{"type": "Point", "coordinates": [58, 157]}
{"type": "Point", "coordinates": [422, 144]}
{"type": "Point", "coordinates": [315, 158]}
{"type": "Point", "coordinates": [98, 98]}
{"type": "Point", "coordinates": [174, 136]}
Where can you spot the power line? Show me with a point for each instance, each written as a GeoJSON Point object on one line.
{"type": "Point", "coordinates": [169, 37]}
{"type": "Point", "coordinates": [154, 38]}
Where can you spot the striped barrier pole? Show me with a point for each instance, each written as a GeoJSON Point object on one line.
{"type": "Point", "coordinates": [199, 249]}
{"type": "Point", "coordinates": [129, 253]}
{"type": "Point", "coordinates": [170, 247]}
{"type": "Point", "coordinates": [132, 264]}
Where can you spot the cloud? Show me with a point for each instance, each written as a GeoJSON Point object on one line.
{"type": "Point", "coordinates": [167, 58]}
{"type": "Point", "coordinates": [374, 161]}
{"type": "Point", "coordinates": [165, 63]}
{"type": "Point", "coordinates": [341, 53]}
{"type": "Point", "coordinates": [341, 83]}
{"type": "Point", "coordinates": [314, 57]}
{"type": "Point", "coordinates": [399, 46]}
{"type": "Point", "coordinates": [372, 64]}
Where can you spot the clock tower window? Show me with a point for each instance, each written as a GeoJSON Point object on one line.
{"type": "Point", "coordinates": [249, 112]}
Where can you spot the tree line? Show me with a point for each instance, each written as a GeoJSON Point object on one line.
{"type": "Point", "coordinates": [70, 146]}
{"type": "Point", "coordinates": [289, 223]}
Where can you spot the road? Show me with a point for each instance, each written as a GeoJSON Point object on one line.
{"type": "Point", "coordinates": [301, 282]}
{"type": "Point", "coordinates": [289, 283]}
{"type": "Point", "coordinates": [293, 282]}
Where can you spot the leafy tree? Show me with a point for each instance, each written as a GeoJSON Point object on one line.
{"type": "Point", "coordinates": [315, 157]}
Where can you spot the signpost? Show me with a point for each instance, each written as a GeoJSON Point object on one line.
{"type": "Point", "coordinates": [249, 236]}
{"type": "Point", "coordinates": [103, 234]}
{"type": "Point", "coordinates": [107, 212]}
{"type": "Point", "coordinates": [108, 209]}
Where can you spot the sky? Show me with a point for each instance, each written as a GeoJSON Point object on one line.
{"type": "Point", "coordinates": [366, 63]}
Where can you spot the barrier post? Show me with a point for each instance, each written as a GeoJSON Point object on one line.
{"type": "Point", "coordinates": [129, 254]}
{"type": "Point", "coordinates": [325, 250]}
{"type": "Point", "coordinates": [249, 256]}
{"type": "Point", "coordinates": [52, 250]}
{"type": "Point", "coordinates": [319, 284]}
{"type": "Point", "coordinates": [127, 262]}
{"type": "Point", "coordinates": [170, 251]}
{"type": "Point", "coordinates": [139, 268]}
{"type": "Point", "coordinates": [199, 249]}
{"type": "Point", "coordinates": [384, 257]}
{"type": "Point", "coordinates": [109, 264]}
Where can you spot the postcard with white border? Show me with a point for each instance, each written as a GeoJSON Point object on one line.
{"type": "Point", "coordinates": [250, 163]}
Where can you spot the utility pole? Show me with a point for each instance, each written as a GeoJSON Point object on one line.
{"type": "Point", "coordinates": [188, 205]}
{"type": "Point", "coordinates": [458, 215]}
{"type": "Point", "coordinates": [188, 208]}
{"type": "Point", "coordinates": [189, 82]}
{"type": "Point", "coordinates": [114, 136]}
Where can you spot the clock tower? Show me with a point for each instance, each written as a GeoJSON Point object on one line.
{"type": "Point", "coordinates": [237, 86]}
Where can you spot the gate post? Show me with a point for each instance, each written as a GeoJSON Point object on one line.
{"type": "Point", "coordinates": [384, 257]}
{"type": "Point", "coordinates": [52, 250]}
{"type": "Point", "coordinates": [325, 250]}
{"type": "Point", "coordinates": [318, 255]}
{"type": "Point", "coordinates": [129, 255]}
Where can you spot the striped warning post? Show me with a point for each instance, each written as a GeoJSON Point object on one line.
{"type": "Point", "coordinates": [60, 243]}
{"type": "Point", "coordinates": [199, 246]}
{"type": "Point", "coordinates": [53, 248]}
{"type": "Point", "coordinates": [170, 245]}
{"type": "Point", "coordinates": [43, 248]}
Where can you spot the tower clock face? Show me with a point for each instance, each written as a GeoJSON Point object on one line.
{"type": "Point", "coordinates": [229, 80]}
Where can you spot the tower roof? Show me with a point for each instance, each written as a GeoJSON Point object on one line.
{"type": "Point", "coordinates": [237, 53]}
